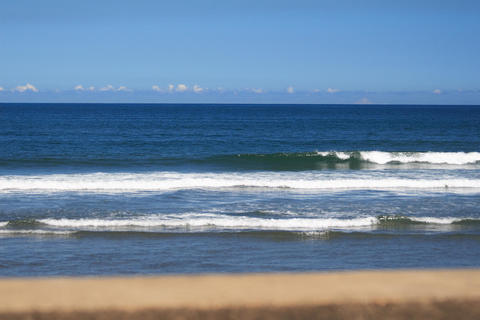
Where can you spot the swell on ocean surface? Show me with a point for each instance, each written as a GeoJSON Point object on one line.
{"type": "Point", "coordinates": [323, 159]}
{"type": "Point", "coordinates": [293, 161]}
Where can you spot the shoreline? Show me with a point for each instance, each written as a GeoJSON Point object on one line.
{"type": "Point", "coordinates": [400, 294]}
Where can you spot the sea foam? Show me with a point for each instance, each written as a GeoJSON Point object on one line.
{"type": "Point", "coordinates": [382, 157]}
{"type": "Point", "coordinates": [211, 221]}
{"type": "Point", "coordinates": [158, 181]}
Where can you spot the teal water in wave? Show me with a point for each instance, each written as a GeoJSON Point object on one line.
{"type": "Point", "coordinates": [89, 189]}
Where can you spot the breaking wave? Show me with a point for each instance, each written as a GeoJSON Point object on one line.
{"type": "Point", "coordinates": [218, 221]}
{"type": "Point", "coordinates": [382, 157]}
{"type": "Point", "coordinates": [160, 181]}
{"type": "Point", "coordinates": [288, 161]}
{"type": "Point", "coordinates": [298, 161]}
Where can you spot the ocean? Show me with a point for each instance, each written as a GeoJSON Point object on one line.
{"type": "Point", "coordinates": [107, 189]}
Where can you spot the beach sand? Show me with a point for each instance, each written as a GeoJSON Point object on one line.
{"type": "Point", "coordinates": [424, 294]}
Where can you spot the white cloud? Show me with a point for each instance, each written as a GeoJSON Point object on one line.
{"type": "Point", "coordinates": [157, 88]}
{"type": "Point", "coordinates": [437, 91]}
{"type": "Point", "coordinates": [332, 90]}
{"type": "Point", "coordinates": [363, 101]}
{"type": "Point", "coordinates": [123, 88]}
{"type": "Point", "coordinates": [171, 88]}
{"type": "Point", "coordinates": [112, 88]}
{"type": "Point", "coordinates": [1, 89]}
{"type": "Point", "coordinates": [27, 87]}
{"type": "Point", "coordinates": [181, 87]}
{"type": "Point", "coordinates": [82, 88]}
{"type": "Point", "coordinates": [197, 89]}
{"type": "Point", "coordinates": [290, 90]}
{"type": "Point", "coordinates": [108, 88]}
{"type": "Point", "coordinates": [257, 90]}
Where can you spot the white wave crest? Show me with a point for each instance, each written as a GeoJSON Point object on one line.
{"type": "Point", "coordinates": [158, 181]}
{"type": "Point", "coordinates": [434, 220]}
{"type": "Point", "coordinates": [382, 157]}
{"type": "Point", "coordinates": [209, 222]}
{"type": "Point", "coordinates": [218, 221]}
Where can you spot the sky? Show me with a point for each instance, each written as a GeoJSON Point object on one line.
{"type": "Point", "coordinates": [400, 52]}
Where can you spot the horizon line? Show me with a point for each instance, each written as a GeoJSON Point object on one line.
{"type": "Point", "coordinates": [244, 104]}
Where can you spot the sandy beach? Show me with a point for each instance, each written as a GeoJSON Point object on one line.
{"type": "Point", "coordinates": [430, 294]}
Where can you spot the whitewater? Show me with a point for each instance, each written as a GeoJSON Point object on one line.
{"type": "Point", "coordinates": [382, 157]}
{"type": "Point", "coordinates": [163, 181]}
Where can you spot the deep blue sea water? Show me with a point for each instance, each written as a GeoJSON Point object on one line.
{"type": "Point", "coordinates": [90, 189]}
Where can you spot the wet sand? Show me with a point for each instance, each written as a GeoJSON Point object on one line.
{"type": "Point", "coordinates": [439, 294]}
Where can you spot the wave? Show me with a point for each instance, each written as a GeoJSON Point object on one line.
{"type": "Point", "coordinates": [342, 159]}
{"type": "Point", "coordinates": [382, 157]}
{"type": "Point", "coordinates": [230, 226]}
{"type": "Point", "coordinates": [404, 220]}
{"type": "Point", "coordinates": [293, 161]}
{"type": "Point", "coordinates": [164, 181]}
{"type": "Point", "coordinates": [216, 221]}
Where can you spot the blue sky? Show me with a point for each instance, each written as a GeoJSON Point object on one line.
{"type": "Point", "coordinates": [240, 51]}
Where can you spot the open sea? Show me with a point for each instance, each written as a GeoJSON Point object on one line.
{"type": "Point", "coordinates": [94, 189]}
